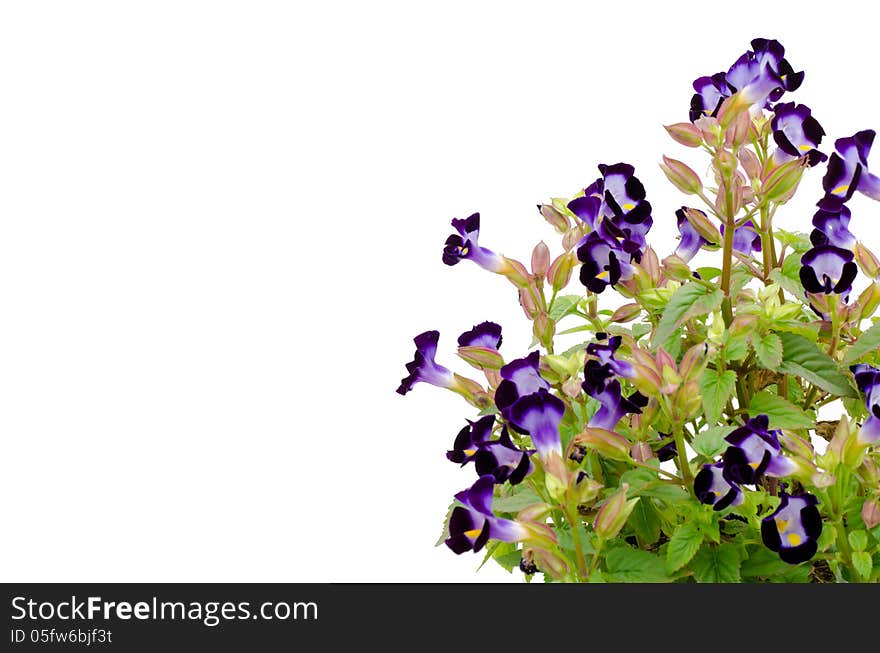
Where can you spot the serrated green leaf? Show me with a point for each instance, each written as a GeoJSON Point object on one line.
{"type": "Point", "coordinates": [516, 502]}
{"type": "Point", "coordinates": [667, 492]}
{"type": "Point", "coordinates": [763, 563]}
{"type": "Point", "coordinates": [626, 565]}
{"type": "Point", "coordinates": [858, 540]}
{"type": "Point", "coordinates": [445, 533]}
{"type": "Point", "coordinates": [683, 544]}
{"type": "Point", "coordinates": [716, 388]}
{"type": "Point", "coordinates": [792, 286]}
{"type": "Point", "coordinates": [803, 358]}
{"type": "Point", "coordinates": [508, 561]}
{"type": "Point", "coordinates": [711, 442]}
{"type": "Point", "coordinates": [645, 522]}
{"type": "Point", "coordinates": [868, 342]}
{"type": "Point", "coordinates": [735, 347]}
{"type": "Point", "coordinates": [689, 300]}
{"type": "Point", "coordinates": [797, 240]}
{"type": "Point", "coordinates": [862, 562]}
{"type": "Point", "coordinates": [566, 540]}
{"type": "Point", "coordinates": [491, 409]}
{"type": "Point", "coordinates": [564, 305]}
{"type": "Point", "coordinates": [782, 413]}
{"type": "Point", "coordinates": [717, 564]}
{"type": "Point", "coordinates": [768, 350]}
{"type": "Point", "coordinates": [709, 273]}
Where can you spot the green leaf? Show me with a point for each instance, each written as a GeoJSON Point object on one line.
{"type": "Point", "coordinates": [566, 540]}
{"type": "Point", "coordinates": [768, 349]}
{"type": "Point", "coordinates": [797, 240]}
{"type": "Point", "coordinates": [717, 564]}
{"type": "Point", "coordinates": [687, 301]}
{"type": "Point", "coordinates": [802, 358]}
{"type": "Point", "coordinates": [709, 273]}
{"type": "Point", "coordinates": [668, 492]}
{"type": "Point", "coordinates": [868, 342]}
{"type": "Point", "coordinates": [782, 413]}
{"type": "Point", "coordinates": [862, 562]}
{"type": "Point", "coordinates": [683, 544]}
{"type": "Point", "coordinates": [736, 347]}
{"type": "Point", "coordinates": [716, 389]}
{"type": "Point", "coordinates": [858, 540]}
{"type": "Point", "coordinates": [564, 305]}
{"type": "Point", "coordinates": [509, 560]}
{"type": "Point", "coordinates": [626, 565]}
{"type": "Point", "coordinates": [491, 409]}
{"type": "Point", "coordinates": [645, 522]}
{"type": "Point", "coordinates": [445, 533]}
{"type": "Point", "coordinates": [516, 502]}
{"type": "Point", "coordinates": [763, 563]}
{"type": "Point", "coordinates": [576, 348]}
{"type": "Point", "coordinates": [711, 442]}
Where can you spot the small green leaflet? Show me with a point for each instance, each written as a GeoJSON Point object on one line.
{"type": "Point", "coordinates": [782, 413]}
{"type": "Point", "coordinates": [445, 532]}
{"type": "Point", "coordinates": [862, 562]}
{"type": "Point", "coordinates": [564, 305]}
{"type": "Point", "coordinates": [768, 349]}
{"type": "Point", "coordinates": [683, 544]}
{"type": "Point", "coordinates": [716, 389]}
{"type": "Point", "coordinates": [868, 342]}
{"type": "Point", "coordinates": [645, 522]}
{"type": "Point", "coordinates": [803, 358]}
{"type": "Point", "coordinates": [717, 564]}
{"type": "Point", "coordinates": [626, 565]}
{"type": "Point", "coordinates": [516, 502]}
{"type": "Point", "coordinates": [711, 442]}
{"type": "Point", "coordinates": [689, 300]}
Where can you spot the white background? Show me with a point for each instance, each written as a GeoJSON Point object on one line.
{"type": "Point", "coordinates": [222, 225]}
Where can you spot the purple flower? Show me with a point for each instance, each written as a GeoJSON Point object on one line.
{"type": "Point", "coordinates": [763, 74]}
{"type": "Point", "coordinates": [604, 350]}
{"type": "Point", "coordinates": [754, 451]}
{"type": "Point", "coordinates": [711, 488]}
{"type": "Point", "coordinates": [604, 262]}
{"type": "Point", "coordinates": [601, 386]}
{"type": "Point", "coordinates": [831, 224]}
{"type": "Point", "coordinates": [668, 451]}
{"type": "Point", "coordinates": [691, 241]}
{"type": "Point", "coordinates": [465, 245]}
{"type": "Point", "coordinates": [520, 377]}
{"type": "Point", "coordinates": [710, 93]}
{"type": "Point", "coordinates": [589, 206]}
{"type": "Point", "coordinates": [746, 239]}
{"type": "Point", "coordinates": [500, 458]}
{"type": "Point", "coordinates": [473, 523]}
{"type": "Point", "coordinates": [797, 133]}
{"type": "Point", "coordinates": [423, 368]}
{"type": "Point", "coordinates": [868, 381]}
{"type": "Point", "coordinates": [828, 269]}
{"type": "Point", "coordinates": [848, 168]}
{"type": "Point", "coordinates": [538, 415]}
{"type": "Point", "coordinates": [793, 529]}
{"type": "Point", "coordinates": [485, 334]}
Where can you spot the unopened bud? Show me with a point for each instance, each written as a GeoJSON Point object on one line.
{"type": "Point", "coordinates": [796, 444]}
{"type": "Point", "coordinates": [528, 303]}
{"type": "Point", "coordinates": [871, 471]}
{"type": "Point", "coordinates": [540, 259]}
{"type": "Point", "coordinates": [614, 513]}
{"type": "Point", "coordinates": [483, 358]}
{"type": "Point", "coordinates": [559, 273]}
{"type": "Point", "coordinates": [675, 268]}
{"type": "Point", "coordinates": [550, 564]}
{"type": "Point", "coordinates": [681, 176]}
{"type": "Point", "coordinates": [559, 221]}
{"type": "Point", "coordinates": [641, 452]}
{"type": "Point", "coordinates": [572, 237]}
{"type": "Point", "coordinates": [694, 361]}
{"type": "Point", "coordinates": [871, 513]}
{"type": "Point", "coordinates": [516, 272]}
{"type": "Point", "coordinates": [703, 225]}
{"type": "Point", "coordinates": [544, 329]}
{"type": "Point", "coordinates": [685, 133]}
{"type": "Point", "coordinates": [867, 261]}
{"type": "Point", "coordinates": [688, 399]}
{"type": "Point", "coordinates": [535, 512]}
{"type": "Point", "coordinates": [781, 182]}
{"type": "Point", "coordinates": [868, 301]}
{"type": "Point", "coordinates": [472, 391]}
{"type": "Point", "coordinates": [626, 313]}
{"type": "Point", "coordinates": [651, 264]}
{"type": "Point", "coordinates": [572, 387]}
{"type": "Point", "coordinates": [608, 443]}
{"type": "Point", "coordinates": [738, 131]}
{"type": "Point", "coordinates": [750, 162]}
{"type": "Point", "coordinates": [710, 129]}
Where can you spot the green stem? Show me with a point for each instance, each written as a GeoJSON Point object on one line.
{"type": "Point", "coordinates": [578, 549]}
{"type": "Point", "coordinates": [683, 463]}
{"type": "Point", "coordinates": [595, 561]}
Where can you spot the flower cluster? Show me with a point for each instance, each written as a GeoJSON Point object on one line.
{"type": "Point", "coordinates": [676, 442]}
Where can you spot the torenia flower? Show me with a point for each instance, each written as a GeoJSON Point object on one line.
{"type": "Point", "coordinates": [746, 239]}
{"type": "Point", "coordinates": [797, 133]}
{"type": "Point", "coordinates": [711, 91]}
{"type": "Point", "coordinates": [691, 241]}
{"type": "Point", "coordinates": [848, 168]}
{"type": "Point", "coordinates": [604, 262]}
{"type": "Point", "coordinates": [465, 245]}
{"type": "Point", "coordinates": [604, 350]}
{"type": "Point", "coordinates": [868, 381]}
{"type": "Point", "coordinates": [755, 451]}
{"type": "Point", "coordinates": [831, 224]}
{"type": "Point", "coordinates": [499, 458]}
{"type": "Point", "coordinates": [792, 530]}
{"type": "Point", "coordinates": [473, 523]}
{"type": "Point", "coordinates": [538, 415]}
{"type": "Point", "coordinates": [485, 334]}
{"type": "Point", "coordinates": [423, 368]}
{"type": "Point", "coordinates": [828, 269]}
{"type": "Point", "coordinates": [711, 488]}
{"type": "Point", "coordinates": [762, 74]}
{"type": "Point", "coordinates": [599, 384]}
{"type": "Point", "coordinates": [520, 377]}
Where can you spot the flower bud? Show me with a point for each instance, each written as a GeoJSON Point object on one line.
{"type": "Point", "coordinates": [544, 329]}
{"type": "Point", "coordinates": [796, 445]}
{"type": "Point", "coordinates": [614, 513]}
{"type": "Point", "coordinates": [703, 225]}
{"type": "Point", "coordinates": [559, 221]}
{"type": "Point", "coordinates": [559, 273]}
{"type": "Point", "coordinates": [608, 443]}
{"type": "Point", "coordinates": [535, 513]}
{"type": "Point", "coordinates": [587, 490]}
{"type": "Point", "coordinates": [845, 446]}
{"type": "Point", "coordinates": [681, 176]}
{"type": "Point", "coordinates": [528, 303]}
{"type": "Point", "coordinates": [871, 513]}
{"type": "Point", "coordinates": [516, 272]}
{"type": "Point", "coordinates": [694, 361]}
{"type": "Point", "coordinates": [676, 268]}
{"type": "Point", "coordinates": [710, 129]}
{"type": "Point", "coordinates": [540, 259]}
{"type": "Point", "coordinates": [493, 377]}
{"type": "Point", "coordinates": [685, 133]}
{"type": "Point", "coordinates": [688, 399]}
{"type": "Point", "coordinates": [651, 264]}
{"type": "Point", "coordinates": [573, 237]}
{"type": "Point", "coordinates": [871, 471]}
{"type": "Point", "coordinates": [626, 313]}
{"type": "Point", "coordinates": [868, 301]}
{"type": "Point", "coordinates": [738, 131]}
{"type": "Point", "coordinates": [750, 163]}
{"type": "Point", "coordinates": [780, 183]}
{"type": "Point", "coordinates": [472, 391]}
{"type": "Point", "coordinates": [725, 163]}
{"type": "Point", "coordinates": [572, 387]}
{"type": "Point", "coordinates": [867, 261]}
{"type": "Point", "coordinates": [641, 452]}
{"type": "Point", "coordinates": [483, 358]}
{"type": "Point", "coordinates": [550, 563]}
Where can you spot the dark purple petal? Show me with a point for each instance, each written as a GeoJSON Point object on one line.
{"type": "Point", "coordinates": [520, 377]}
{"type": "Point", "coordinates": [797, 132]}
{"type": "Point", "coordinates": [465, 245]}
{"type": "Point", "coordinates": [793, 528]}
{"type": "Point", "coordinates": [832, 227]}
{"type": "Point", "coordinates": [485, 334]}
{"type": "Point", "coordinates": [828, 269]}
{"type": "Point", "coordinates": [604, 350]}
{"type": "Point", "coordinates": [586, 208]}
{"type": "Point", "coordinates": [691, 241]}
{"type": "Point", "coordinates": [754, 452]}
{"type": "Point", "coordinates": [712, 488]}
{"type": "Point", "coordinates": [470, 439]}
{"type": "Point", "coordinates": [538, 415]}
{"type": "Point", "coordinates": [423, 368]}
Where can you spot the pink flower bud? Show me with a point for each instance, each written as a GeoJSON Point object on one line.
{"type": "Point", "coordinates": [559, 221]}
{"type": "Point", "coordinates": [867, 261]}
{"type": "Point", "coordinates": [544, 329]}
{"type": "Point", "coordinates": [626, 313]}
{"type": "Point", "coordinates": [869, 300]}
{"type": "Point", "coordinates": [685, 133]}
{"type": "Point", "coordinates": [651, 265]}
{"type": "Point", "coordinates": [710, 129]}
{"type": "Point", "coordinates": [516, 272]}
{"type": "Point", "coordinates": [781, 182]}
{"type": "Point", "coordinates": [871, 513]}
{"type": "Point", "coordinates": [694, 361]}
{"type": "Point", "coordinates": [725, 163]}
{"type": "Point", "coordinates": [750, 163]}
{"type": "Point", "coordinates": [573, 237]}
{"type": "Point", "coordinates": [738, 131]}
{"type": "Point", "coordinates": [540, 259]}
{"type": "Point", "coordinates": [483, 358]}
{"type": "Point", "coordinates": [608, 443]}
{"type": "Point", "coordinates": [614, 513]}
{"type": "Point", "coordinates": [528, 303]}
{"type": "Point", "coordinates": [703, 225]}
{"type": "Point", "coordinates": [559, 273]}
{"type": "Point", "coordinates": [675, 268]}
{"type": "Point", "coordinates": [681, 176]}
{"type": "Point", "coordinates": [641, 452]}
